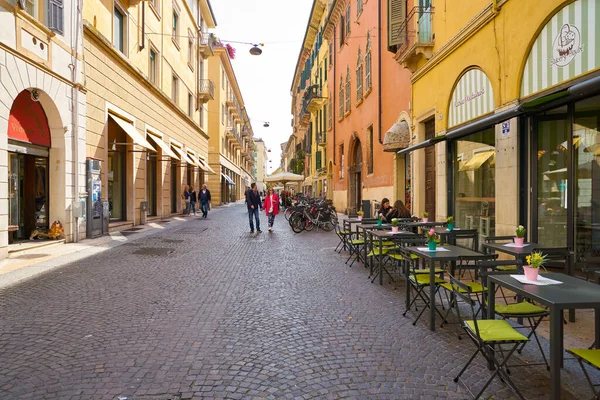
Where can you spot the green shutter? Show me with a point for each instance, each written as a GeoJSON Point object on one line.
{"type": "Point", "coordinates": [318, 161]}
{"type": "Point", "coordinates": [396, 17]}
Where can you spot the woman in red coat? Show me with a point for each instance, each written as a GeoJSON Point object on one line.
{"type": "Point", "coordinates": [271, 206]}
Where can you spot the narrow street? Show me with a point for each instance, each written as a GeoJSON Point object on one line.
{"type": "Point", "coordinates": [207, 309]}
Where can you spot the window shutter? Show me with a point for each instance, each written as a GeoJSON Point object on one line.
{"type": "Point", "coordinates": [396, 17]}
{"type": "Point", "coordinates": [318, 160]}
{"type": "Point", "coordinates": [55, 16]}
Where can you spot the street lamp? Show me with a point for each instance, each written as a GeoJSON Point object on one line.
{"type": "Point", "coordinates": [266, 124]}
{"type": "Point", "coordinates": [255, 50]}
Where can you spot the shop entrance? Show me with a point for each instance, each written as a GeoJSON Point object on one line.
{"type": "Point", "coordinates": [174, 186]}
{"type": "Point", "coordinates": [356, 178]}
{"type": "Point", "coordinates": [430, 170]}
{"type": "Point", "coordinates": [27, 194]}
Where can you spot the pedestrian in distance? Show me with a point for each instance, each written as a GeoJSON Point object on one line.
{"type": "Point", "coordinates": [193, 200]}
{"type": "Point", "coordinates": [254, 205]}
{"type": "Point", "coordinates": [271, 207]}
{"type": "Point", "coordinates": [186, 197]}
{"type": "Point", "coordinates": [204, 198]}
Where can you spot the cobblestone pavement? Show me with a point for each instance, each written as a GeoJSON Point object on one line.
{"type": "Point", "coordinates": [208, 310]}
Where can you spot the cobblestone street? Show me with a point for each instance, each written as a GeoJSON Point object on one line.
{"type": "Point", "coordinates": [206, 309]}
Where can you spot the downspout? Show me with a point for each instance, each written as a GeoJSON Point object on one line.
{"type": "Point", "coordinates": [333, 96]}
{"type": "Point", "coordinates": [379, 72]}
{"type": "Point", "coordinates": [75, 116]}
{"type": "Point", "coordinates": [143, 44]}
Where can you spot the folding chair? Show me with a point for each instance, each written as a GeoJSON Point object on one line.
{"type": "Point", "coordinates": [355, 249]}
{"type": "Point", "coordinates": [488, 335]}
{"type": "Point", "coordinates": [343, 235]}
{"type": "Point", "coordinates": [386, 247]}
{"type": "Point", "coordinates": [590, 357]}
{"type": "Point", "coordinates": [501, 239]}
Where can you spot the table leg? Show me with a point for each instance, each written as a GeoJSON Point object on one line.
{"type": "Point", "coordinates": [556, 327]}
{"type": "Point", "coordinates": [597, 323]}
{"type": "Point", "coordinates": [431, 295]}
{"type": "Point", "coordinates": [380, 256]}
{"type": "Point", "coordinates": [491, 309]}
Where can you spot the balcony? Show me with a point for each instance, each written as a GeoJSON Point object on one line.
{"type": "Point", "coordinates": [230, 100]}
{"type": "Point", "coordinates": [322, 139]}
{"type": "Point", "coordinates": [206, 91]}
{"type": "Point", "coordinates": [416, 38]}
{"type": "Point", "coordinates": [313, 99]}
{"type": "Point", "coordinates": [206, 43]}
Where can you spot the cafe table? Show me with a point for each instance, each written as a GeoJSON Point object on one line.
{"type": "Point", "coordinates": [382, 235]}
{"type": "Point", "coordinates": [414, 226]}
{"type": "Point", "coordinates": [368, 227]}
{"type": "Point", "coordinates": [518, 252]}
{"type": "Point", "coordinates": [570, 293]}
{"type": "Point", "coordinates": [446, 253]}
{"type": "Point", "coordinates": [444, 232]}
{"type": "Point", "coordinates": [349, 221]}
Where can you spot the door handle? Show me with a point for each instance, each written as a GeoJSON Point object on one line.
{"type": "Point", "coordinates": [428, 180]}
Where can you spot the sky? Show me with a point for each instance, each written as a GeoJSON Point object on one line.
{"type": "Point", "coordinates": [265, 80]}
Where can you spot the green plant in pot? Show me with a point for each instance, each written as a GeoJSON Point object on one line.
{"type": "Point", "coordinates": [425, 217]}
{"type": "Point", "coordinates": [520, 236]}
{"type": "Point", "coordinates": [432, 239]}
{"type": "Point", "coordinates": [450, 222]}
{"type": "Point", "coordinates": [395, 222]}
{"type": "Point", "coordinates": [360, 215]}
{"type": "Point", "coordinates": [535, 261]}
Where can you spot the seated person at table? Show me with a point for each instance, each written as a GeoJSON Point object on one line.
{"type": "Point", "coordinates": [398, 211]}
{"type": "Point", "coordinates": [385, 208]}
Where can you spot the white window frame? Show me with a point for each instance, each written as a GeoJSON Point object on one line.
{"type": "Point", "coordinates": [125, 14]}
{"type": "Point", "coordinates": [156, 68]}
{"type": "Point", "coordinates": [175, 88]}
{"type": "Point", "coordinates": [175, 26]}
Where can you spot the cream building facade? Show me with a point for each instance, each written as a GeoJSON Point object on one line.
{"type": "Point", "coordinates": [148, 96]}
{"type": "Point", "coordinates": [261, 159]}
{"type": "Point", "coordinates": [231, 144]}
{"type": "Point", "coordinates": [42, 118]}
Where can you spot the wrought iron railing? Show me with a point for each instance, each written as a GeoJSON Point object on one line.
{"type": "Point", "coordinates": [207, 86]}
{"type": "Point", "coordinates": [416, 28]}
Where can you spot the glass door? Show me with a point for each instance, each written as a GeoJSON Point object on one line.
{"type": "Point", "coordinates": [14, 192]}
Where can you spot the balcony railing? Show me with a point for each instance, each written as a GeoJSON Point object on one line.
{"type": "Point", "coordinates": [206, 90]}
{"type": "Point", "coordinates": [207, 44]}
{"type": "Point", "coordinates": [415, 37]}
{"type": "Point", "coordinates": [321, 139]}
{"type": "Point", "coordinates": [313, 98]}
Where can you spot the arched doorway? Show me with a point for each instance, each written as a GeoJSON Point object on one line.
{"type": "Point", "coordinates": [355, 178]}
{"type": "Point", "coordinates": [29, 145]}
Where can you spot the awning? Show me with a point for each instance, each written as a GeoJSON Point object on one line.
{"type": "Point", "coordinates": [205, 165]}
{"type": "Point", "coordinates": [194, 159]}
{"type": "Point", "coordinates": [228, 179]}
{"type": "Point", "coordinates": [423, 144]}
{"type": "Point", "coordinates": [477, 160]}
{"type": "Point", "coordinates": [165, 147]}
{"type": "Point", "coordinates": [132, 132]}
{"type": "Point", "coordinates": [397, 137]}
{"type": "Point", "coordinates": [484, 123]}
{"type": "Point", "coordinates": [183, 155]}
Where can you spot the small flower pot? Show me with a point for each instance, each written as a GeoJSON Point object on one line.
{"type": "Point", "coordinates": [531, 274]}
{"type": "Point", "coordinates": [425, 219]}
{"type": "Point", "coordinates": [394, 229]}
{"type": "Point", "coordinates": [519, 241]}
{"type": "Point", "coordinates": [360, 217]}
{"type": "Point", "coordinates": [379, 222]}
{"type": "Point", "coordinates": [432, 245]}
{"type": "Point", "coordinates": [450, 227]}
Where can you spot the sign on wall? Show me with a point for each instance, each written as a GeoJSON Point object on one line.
{"type": "Point", "coordinates": [27, 121]}
{"type": "Point", "coordinates": [567, 46]}
{"type": "Point", "coordinates": [472, 97]}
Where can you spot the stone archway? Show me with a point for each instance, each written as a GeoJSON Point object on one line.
{"type": "Point", "coordinates": [355, 176]}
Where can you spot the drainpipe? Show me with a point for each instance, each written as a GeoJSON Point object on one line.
{"type": "Point", "coordinates": [333, 96]}
{"type": "Point", "coordinates": [379, 71]}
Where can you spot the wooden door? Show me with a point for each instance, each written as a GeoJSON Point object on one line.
{"type": "Point", "coordinates": [430, 170]}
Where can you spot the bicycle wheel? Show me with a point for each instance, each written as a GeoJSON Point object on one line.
{"type": "Point", "coordinates": [308, 222]}
{"type": "Point", "coordinates": [328, 226]}
{"type": "Point", "coordinates": [297, 223]}
{"type": "Point", "coordinates": [288, 213]}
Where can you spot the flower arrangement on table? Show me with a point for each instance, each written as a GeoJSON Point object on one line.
{"type": "Point", "coordinates": [432, 239]}
{"type": "Point", "coordinates": [360, 215]}
{"type": "Point", "coordinates": [380, 219]}
{"type": "Point", "coordinates": [425, 217]}
{"type": "Point", "coordinates": [395, 222]}
{"type": "Point", "coordinates": [520, 235]}
{"type": "Point", "coordinates": [450, 222]}
{"type": "Point", "coordinates": [534, 261]}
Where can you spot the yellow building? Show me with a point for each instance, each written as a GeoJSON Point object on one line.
{"type": "Point", "coordinates": [231, 145]}
{"type": "Point", "coordinates": [504, 116]}
{"type": "Point", "coordinates": [309, 104]}
{"type": "Point", "coordinates": [146, 112]}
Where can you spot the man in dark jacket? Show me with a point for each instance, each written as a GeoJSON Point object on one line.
{"type": "Point", "coordinates": [254, 205]}
{"type": "Point", "coordinates": [204, 198]}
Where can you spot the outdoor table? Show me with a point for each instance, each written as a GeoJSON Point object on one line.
{"type": "Point", "coordinates": [518, 253]}
{"type": "Point", "coordinates": [381, 235]}
{"type": "Point", "coordinates": [572, 293]}
{"type": "Point", "coordinates": [349, 221]}
{"type": "Point", "coordinates": [446, 253]}
{"type": "Point", "coordinates": [414, 226]}
{"type": "Point", "coordinates": [367, 227]}
{"type": "Point", "coordinates": [443, 233]}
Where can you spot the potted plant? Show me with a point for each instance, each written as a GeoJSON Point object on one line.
{"type": "Point", "coordinates": [395, 222]}
{"type": "Point", "coordinates": [360, 215]}
{"type": "Point", "coordinates": [520, 236]}
{"type": "Point", "coordinates": [425, 217]}
{"type": "Point", "coordinates": [450, 222]}
{"type": "Point", "coordinates": [379, 220]}
{"type": "Point", "coordinates": [432, 239]}
{"type": "Point", "coordinates": [534, 262]}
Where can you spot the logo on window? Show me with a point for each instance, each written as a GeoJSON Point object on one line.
{"type": "Point", "coordinates": [567, 45]}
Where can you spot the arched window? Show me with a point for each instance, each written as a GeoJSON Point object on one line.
{"type": "Point", "coordinates": [348, 89]}
{"type": "Point", "coordinates": [341, 105]}
{"type": "Point", "coordinates": [359, 76]}
{"type": "Point", "coordinates": [368, 64]}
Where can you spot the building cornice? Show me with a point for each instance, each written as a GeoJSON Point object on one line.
{"type": "Point", "coordinates": [100, 39]}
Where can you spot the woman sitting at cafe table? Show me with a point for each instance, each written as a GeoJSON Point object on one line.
{"type": "Point", "coordinates": [398, 211]}
{"type": "Point", "coordinates": [385, 208]}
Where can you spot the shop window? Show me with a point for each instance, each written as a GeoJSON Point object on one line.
{"type": "Point", "coordinates": [475, 182]}
{"type": "Point", "coordinates": [151, 178]}
{"type": "Point", "coordinates": [370, 149]}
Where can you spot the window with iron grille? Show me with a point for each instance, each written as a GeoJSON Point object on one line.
{"type": "Point", "coordinates": [368, 63]}
{"type": "Point", "coordinates": [341, 103]}
{"type": "Point", "coordinates": [348, 89]}
{"type": "Point", "coordinates": [359, 76]}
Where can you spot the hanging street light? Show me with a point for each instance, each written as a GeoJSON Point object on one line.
{"type": "Point", "coordinates": [255, 50]}
{"type": "Point", "coordinates": [266, 124]}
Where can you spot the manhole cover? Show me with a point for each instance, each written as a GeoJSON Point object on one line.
{"type": "Point", "coordinates": [153, 251]}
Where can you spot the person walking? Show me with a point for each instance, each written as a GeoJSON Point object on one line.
{"type": "Point", "coordinates": [204, 198]}
{"type": "Point", "coordinates": [193, 200]}
{"type": "Point", "coordinates": [254, 204]}
{"type": "Point", "coordinates": [186, 197]}
{"type": "Point", "coordinates": [271, 207]}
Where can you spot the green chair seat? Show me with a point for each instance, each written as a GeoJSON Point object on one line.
{"type": "Point", "coordinates": [425, 271]}
{"type": "Point", "coordinates": [495, 330]}
{"type": "Point", "coordinates": [475, 287]}
{"type": "Point", "coordinates": [396, 256]}
{"type": "Point", "coordinates": [591, 356]}
{"type": "Point", "coordinates": [522, 308]}
{"type": "Point", "coordinates": [414, 256]}
{"type": "Point", "coordinates": [506, 268]}
{"type": "Point", "coordinates": [345, 233]}
{"type": "Point", "coordinates": [357, 241]}
{"type": "Point", "coordinates": [423, 279]}
{"type": "Point", "coordinates": [388, 243]}
{"type": "Point", "coordinates": [375, 252]}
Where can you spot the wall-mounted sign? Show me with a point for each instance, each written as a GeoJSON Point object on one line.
{"type": "Point", "coordinates": [27, 121]}
{"type": "Point", "coordinates": [567, 46]}
{"type": "Point", "coordinates": [506, 128]}
{"type": "Point", "coordinates": [472, 97]}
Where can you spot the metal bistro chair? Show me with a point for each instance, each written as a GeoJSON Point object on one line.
{"type": "Point", "coordinates": [488, 335]}
{"type": "Point", "coordinates": [343, 235]}
{"type": "Point", "coordinates": [592, 358]}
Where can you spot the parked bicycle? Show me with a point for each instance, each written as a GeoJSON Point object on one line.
{"type": "Point", "coordinates": [318, 214]}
